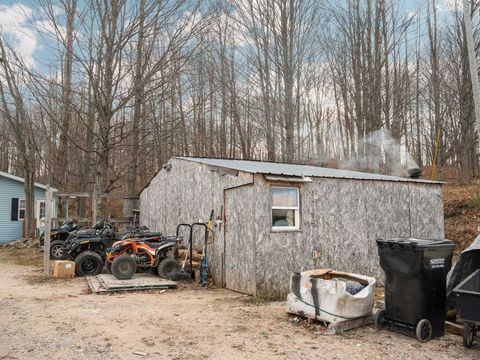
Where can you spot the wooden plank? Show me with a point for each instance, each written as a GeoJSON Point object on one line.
{"type": "Point", "coordinates": [75, 194]}
{"type": "Point", "coordinates": [338, 327]}
{"type": "Point", "coordinates": [454, 327]}
{"type": "Point", "coordinates": [94, 204]}
{"type": "Point", "coordinates": [380, 304]}
{"type": "Point", "coordinates": [195, 264]}
{"type": "Point", "coordinates": [112, 220]}
{"type": "Point", "coordinates": [119, 196]}
{"type": "Point", "coordinates": [182, 253]}
{"type": "Point", "coordinates": [48, 230]}
{"type": "Point", "coordinates": [108, 283]}
{"type": "Point", "coordinates": [94, 285]}
{"type": "Point", "coordinates": [102, 195]}
{"type": "Point", "coordinates": [61, 219]}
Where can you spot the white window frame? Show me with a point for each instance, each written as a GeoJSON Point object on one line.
{"type": "Point", "coordinates": [295, 208]}
{"type": "Point", "coordinates": [39, 202]}
{"type": "Point", "coordinates": [21, 208]}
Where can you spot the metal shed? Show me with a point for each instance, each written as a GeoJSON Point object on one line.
{"type": "Point", "coordinates": [281, 218]}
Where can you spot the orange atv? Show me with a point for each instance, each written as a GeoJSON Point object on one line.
{"type": "Point", "coordinates": [145, 254]}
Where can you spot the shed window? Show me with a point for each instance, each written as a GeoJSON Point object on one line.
{"type": "Point", "coordinates": [285, 208]}
{"type": "Point", "coordinates": [21, 209]}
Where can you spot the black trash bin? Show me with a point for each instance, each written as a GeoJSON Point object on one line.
{"type": "Point", "coordinates": [415, 286]}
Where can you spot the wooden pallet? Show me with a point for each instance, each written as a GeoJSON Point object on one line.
{"type": "Point", "coordinates": [105, 283]}
{"type": "Point", "coordinates": [454, 327]}
{"type": "Point", "coordinates": [339, 327]}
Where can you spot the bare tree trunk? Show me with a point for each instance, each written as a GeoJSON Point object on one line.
{"type": "Point", "coordinates": [138, 102]}
{"type": "Point", "coordinates": [66, 97]}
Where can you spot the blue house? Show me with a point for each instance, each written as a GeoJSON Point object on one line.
{"type": "Point", "coordinates": [12, 206]}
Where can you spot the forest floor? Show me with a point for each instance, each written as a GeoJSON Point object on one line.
{"type": "Point", "coordinates": [60, 319]}
{"type": "Point", "coordinates": [50, 319]}
{"type": "Point", "coordinates": [462, 214]}
{"type": "Point", "coordinates": [461, 205]}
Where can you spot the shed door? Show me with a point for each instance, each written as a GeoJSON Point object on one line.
{"type": "Point", "coordinates": [239, 240]}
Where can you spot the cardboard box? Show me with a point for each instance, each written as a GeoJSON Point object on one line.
{"type": "Point", "coordinates": [63, 269]}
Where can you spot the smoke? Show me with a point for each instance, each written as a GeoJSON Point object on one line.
{"type": "Point", "coordinates": [379, 152]}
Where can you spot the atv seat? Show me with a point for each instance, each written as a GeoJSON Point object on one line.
{"type": "Point", "coordinates": [155, 245]}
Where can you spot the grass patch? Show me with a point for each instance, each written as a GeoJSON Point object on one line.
{"type": "Point", "coordinates": [473, 203]}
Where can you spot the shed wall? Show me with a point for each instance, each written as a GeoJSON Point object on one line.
{"type": "Point", "coordinates": [340, 220]}
{"type": "Point", "coordinates": [186, 194]}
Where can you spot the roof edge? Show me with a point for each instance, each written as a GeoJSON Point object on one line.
{"type": "Point", "coordinates": [391, 177]}
{"type": "Point", "coordinates": [22, 180]}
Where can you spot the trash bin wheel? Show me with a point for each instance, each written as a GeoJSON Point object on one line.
{"type": "Point", "coordinates": [379, 320]}
{"type": "Point", "coordinates": [468, 334]}
{"type": "Point", "coordinates": [424, 330]}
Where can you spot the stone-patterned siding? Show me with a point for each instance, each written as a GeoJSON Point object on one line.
{"type": "Point", "coordinates": [186, 193]}
{"type": "Point", "coordinates": [340, 221]}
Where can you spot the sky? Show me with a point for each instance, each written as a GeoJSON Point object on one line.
{"type": "Point", "coordinates": [17, 18]}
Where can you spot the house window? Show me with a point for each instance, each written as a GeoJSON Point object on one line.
{"type": "Point", "coordinates": [21, 209]}
{"type": "Point", "coordinates": [285, 208]}
{"type": "Point", "coordinates": [41, 209]}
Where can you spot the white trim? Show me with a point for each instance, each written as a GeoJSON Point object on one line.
{"type": "Point", "coordinates": [38, 203]}
{"type": "Point", "coordinates": [20, 208]}
{"type": "Point", "coordinates": [18, 178]}
{"type": "Point", "coordinates": [295, 179]}
{"type": "Point", "coordinates": [296, 210]}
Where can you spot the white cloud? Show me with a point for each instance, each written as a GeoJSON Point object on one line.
{"type": "Point", "coordinates": [48, 27]}
{"type": "Point", "coordinates": [450, 5]}
{"type": "Point", "coordinates": [14, 24]}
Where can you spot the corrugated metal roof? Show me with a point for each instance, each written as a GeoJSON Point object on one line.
{"type": "Point", "coordinates": [263, 167]}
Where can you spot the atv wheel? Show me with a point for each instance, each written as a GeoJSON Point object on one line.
{"type": "Point", "coordinates": [168, 268]}
{"type": "Point", "coordinates": [123, 267]}
{"type": "Point", "coordinates": [56, 250]}
{"type": "Point", "coordinates": [108, 266]}
{"type": "Point", "coordinates": [88, 263]}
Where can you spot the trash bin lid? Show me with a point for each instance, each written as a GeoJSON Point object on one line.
{"type": "Point", "coordinates": [415, 242]}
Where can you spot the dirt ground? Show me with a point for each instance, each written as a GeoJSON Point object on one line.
{"type": "Point", "coordinates": [59, 319]}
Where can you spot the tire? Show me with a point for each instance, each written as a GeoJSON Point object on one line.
{"type": "Point", "coordinates": [88, 263]}
{"type": "Point", "coordinates": [108, 266]}
{"type": "Point", "coordinates": [423, 330]}
{"type": "Point", "coordinates": [124, 267]}
{"type": "Point", "coordinates": [168, 268]}
{"type": "Point", "coordinates": [468, 335]}
{"type": "Point", "coordinates": [56, 250]}
{"type": "Point", "coordinates": [379, 320]}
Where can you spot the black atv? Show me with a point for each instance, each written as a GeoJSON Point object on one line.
{"type": "Point", "coordinates": [58, 237]}
{"type": "Point", "coordinates": [88, 247]}
{"type": "Point", "coordinates": [138, 232]}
